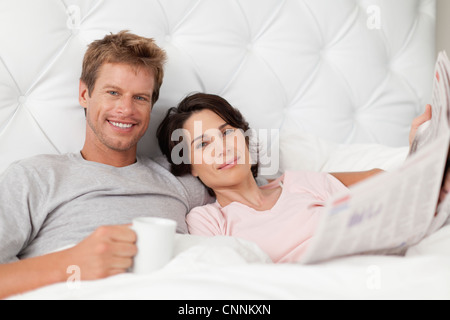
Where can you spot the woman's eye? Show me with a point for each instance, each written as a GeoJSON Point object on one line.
{"type": "Point", "coordinates": [228, 131]}
{"type": "Point", "coordinates": [202, 145]}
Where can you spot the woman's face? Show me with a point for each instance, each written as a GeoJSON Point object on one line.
{"type": "Point", "coordinates": [218, 152]}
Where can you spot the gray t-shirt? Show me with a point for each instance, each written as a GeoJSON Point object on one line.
{"type": "Point", "coordinates": [50, 202]}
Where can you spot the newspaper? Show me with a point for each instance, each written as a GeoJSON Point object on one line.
{"type": "Point", "coordinates": [394, 210]}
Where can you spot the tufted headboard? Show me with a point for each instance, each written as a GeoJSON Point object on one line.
{"type": "Point", "coordinates": [321, 71]}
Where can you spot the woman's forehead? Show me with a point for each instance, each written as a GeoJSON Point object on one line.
{"type": "Point", "coordinates": [207, 119]}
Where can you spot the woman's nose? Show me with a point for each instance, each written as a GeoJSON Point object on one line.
{"type": "Point", "coordinates": [223, 148]}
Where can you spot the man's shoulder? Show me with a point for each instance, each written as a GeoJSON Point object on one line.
{"type": "Point", "coordinates": [161, 165]}
{"type": "Point", "coordinates": [47, 158]}
{"type": "Point", "coordinates": [160, 161]}
{"type": "Point", "coordinates": [193, 189]}
{"type": "Point", "coordinates": [41, 161]}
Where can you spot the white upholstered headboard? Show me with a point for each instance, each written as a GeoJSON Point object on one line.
{"type": "Point", "coordinates": [342, 71]}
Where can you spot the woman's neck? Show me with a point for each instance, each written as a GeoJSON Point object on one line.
{"type": "Point", "coordinates": [248, 193]}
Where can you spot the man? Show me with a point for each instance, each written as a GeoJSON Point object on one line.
{"type": "Point", "coordinates": [84, 201]}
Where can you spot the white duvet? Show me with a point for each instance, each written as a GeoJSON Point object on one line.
{"type": "Point", "coordinates": [228, 268]}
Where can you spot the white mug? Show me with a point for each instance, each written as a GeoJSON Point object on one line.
{"type": "Point", "coordinates": [155, 243]}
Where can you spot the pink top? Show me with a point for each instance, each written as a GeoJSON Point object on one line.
{"type": "Point", "coordinates": [282, 232]}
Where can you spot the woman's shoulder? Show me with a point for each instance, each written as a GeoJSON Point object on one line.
{"type": "Point", "coordinates": [305, 173]}
{"type": "Point", "coordinates": [319, 182]}
{"type": "Point", "coordinates": [205, 220]}
{"type": "Point", "coordinates": [310, 177]}
{"type": "Point", "coordinates": [297, 177]}
{"type": "Point", "coordinates": [208, 209]}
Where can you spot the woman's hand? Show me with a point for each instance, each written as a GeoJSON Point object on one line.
{"type": "Point", "coordinates": [445, 188]}
{"type": "Point", "coordinates": [417, 122]}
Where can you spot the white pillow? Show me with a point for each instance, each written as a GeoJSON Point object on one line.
{"type": "Point", "coordinates": [302, 151]}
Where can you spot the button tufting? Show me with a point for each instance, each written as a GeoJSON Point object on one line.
{"type": "Point", "coordinates": [22, 99]}
{"type": "Point", "coordinates": [323, 53]}
{"type": "Point", "coordinates": [74, 18]}
{"type": "Point", "coordinates": [75, 31]}
{"type": "Point", "coordinates": [303, 62]}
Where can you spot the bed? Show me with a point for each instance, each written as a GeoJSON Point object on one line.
{"type": "Point", "coordinates": [331, 85]}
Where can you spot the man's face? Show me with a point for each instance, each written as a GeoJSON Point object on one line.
{"type": "Point", "coordinates": [118, 110]}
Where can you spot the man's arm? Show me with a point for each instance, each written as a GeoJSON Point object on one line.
{"type": "Point", "coordinates": [108, 251]}
{"type": "Point", "coordinates": [25, 275]}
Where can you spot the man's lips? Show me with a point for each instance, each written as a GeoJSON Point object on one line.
{"type": "Point", "coordinates": [121, 125]}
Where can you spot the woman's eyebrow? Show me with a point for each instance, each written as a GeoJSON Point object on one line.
{"type": "Point", "coordinates": [203, 135]}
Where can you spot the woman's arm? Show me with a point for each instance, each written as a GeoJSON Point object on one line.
{"type": "Point", "coordinates": [351, 178]}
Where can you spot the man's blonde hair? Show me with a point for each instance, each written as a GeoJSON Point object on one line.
{"type": "Point", "coordinates": [124, 47]}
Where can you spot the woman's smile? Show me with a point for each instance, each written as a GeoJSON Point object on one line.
{"type": "Point", "coordinates": [230, 164]}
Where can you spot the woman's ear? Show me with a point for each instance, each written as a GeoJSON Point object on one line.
{"type": "Point", "coordinates": [194, 172]}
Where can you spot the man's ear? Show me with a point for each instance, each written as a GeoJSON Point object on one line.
{"type": "Point", "coordinates": [83, 94]}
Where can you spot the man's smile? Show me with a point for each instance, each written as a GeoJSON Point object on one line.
{"type": "Point", "coordinates": [121, 125]}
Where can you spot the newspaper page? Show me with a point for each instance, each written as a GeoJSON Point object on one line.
{"type": "Point", "coordinates": [393, 210]}
{"type": "Point", "coordinates": [441, 99]}
{"type": "Point", "coordinates": [443, 211]}
{"type": "Point", "coordinates": [440, 105]}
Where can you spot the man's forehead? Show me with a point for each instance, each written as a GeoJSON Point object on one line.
{"type": "Point", "coordinates": [122, 75]}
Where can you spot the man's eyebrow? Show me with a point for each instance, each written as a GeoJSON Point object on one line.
{"type": "Point", "coordinates": [111, 86]}
{"type": "Point", "coordinates": [201, 137]}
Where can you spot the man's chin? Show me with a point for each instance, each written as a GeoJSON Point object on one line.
{"type": "Point", "coordinates": [120, 146]}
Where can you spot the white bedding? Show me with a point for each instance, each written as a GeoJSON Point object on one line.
{"type": "Point", "coordinates": [228, 268]}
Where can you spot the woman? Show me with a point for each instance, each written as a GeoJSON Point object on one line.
{"type": "Point", "coordinates": [280, 217]}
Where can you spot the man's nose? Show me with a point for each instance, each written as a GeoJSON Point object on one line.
{"type": "Point", "coordinates": [125, 106]}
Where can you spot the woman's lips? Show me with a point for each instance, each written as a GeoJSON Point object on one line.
{"type": "Point", "coordinates": [229, 164]}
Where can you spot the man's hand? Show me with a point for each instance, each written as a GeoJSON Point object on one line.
{"type": "Point", "coordinates": [108, 251]}
{"type": "Point", "coordinates": [417, 122]}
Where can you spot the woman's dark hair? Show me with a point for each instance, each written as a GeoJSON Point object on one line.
{"type": "Point", "coordinates": [176, 118]}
